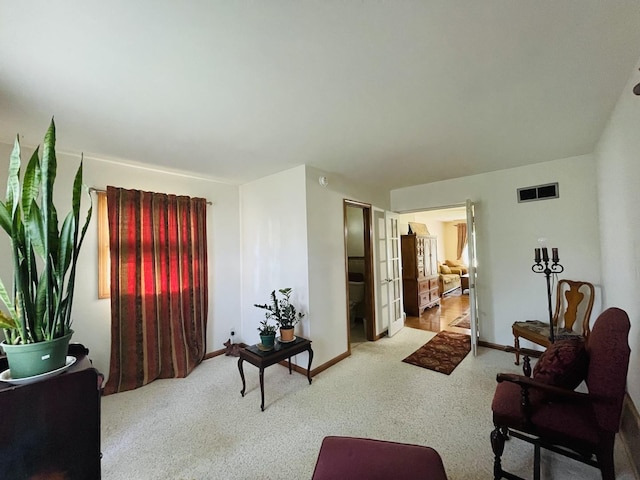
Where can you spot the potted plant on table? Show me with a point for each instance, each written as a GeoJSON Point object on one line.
{"type": "Point", "coordinates": [37, 325]}
{"type": "Point", "coordinates": [283, 312]}
{"type": "Point", "coordinates": [267, 335]}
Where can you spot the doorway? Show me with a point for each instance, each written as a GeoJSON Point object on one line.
{"type": "Point", "coordinates": [453, 310]}
{"type": "Point", "coordinates": [359, 273]}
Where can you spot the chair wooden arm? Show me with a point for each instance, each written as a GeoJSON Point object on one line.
{"type": "Point", "coordinates": [526, 382]}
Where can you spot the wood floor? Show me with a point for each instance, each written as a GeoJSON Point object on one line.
{"type": "Point", "coordinates": [436, 319]}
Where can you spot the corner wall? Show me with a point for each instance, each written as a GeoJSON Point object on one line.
{"type": "Point", "coordinates": [618, 163]}
{"type": "Point", "coordinates": [274, 248]}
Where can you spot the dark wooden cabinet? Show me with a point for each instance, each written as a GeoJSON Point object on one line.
{"type": "Point", "coordinates": [419, 273]}
{"type": "Point", "coordinates": [51, 428]}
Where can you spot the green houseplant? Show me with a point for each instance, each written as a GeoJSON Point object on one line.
{"type": "Point", "coordinates": [267, 334]}
{"type": "Point", "coordinates": [44, 260]}
{"type": "Point", "coordinates": [283, 312]}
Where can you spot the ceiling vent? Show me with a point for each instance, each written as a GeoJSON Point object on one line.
{"type": "Point", "coordinates": [539, 192]}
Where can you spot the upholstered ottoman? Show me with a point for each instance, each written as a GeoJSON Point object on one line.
{"type": "Point", "coordinates": [363, 458]}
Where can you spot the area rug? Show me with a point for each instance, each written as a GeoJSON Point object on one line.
{"type": "Point", "coordinates": [462, 321]}
{"type": "Point", "coordinates": [442, 353]}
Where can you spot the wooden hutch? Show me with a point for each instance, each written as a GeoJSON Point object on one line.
{"type": "Point", "coordinates": [419, 273]}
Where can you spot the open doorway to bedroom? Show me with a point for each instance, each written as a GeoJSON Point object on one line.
{"type": "Point", "coordinates": [447, 228]}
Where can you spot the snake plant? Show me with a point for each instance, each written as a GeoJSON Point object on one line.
{"type": "Point", "coordinates": [44, 255]}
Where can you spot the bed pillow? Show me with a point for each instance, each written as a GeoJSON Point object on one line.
{"type": "Point", "coordinates": [564, 364]}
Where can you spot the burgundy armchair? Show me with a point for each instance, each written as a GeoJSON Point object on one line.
{"type": "Point", "coordinates": [581, 426]}
{"type": "Point", "coordinates": [366, 459]}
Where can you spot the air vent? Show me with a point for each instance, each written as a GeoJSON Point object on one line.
{"type": "Point", "coordinates": [539, 192]}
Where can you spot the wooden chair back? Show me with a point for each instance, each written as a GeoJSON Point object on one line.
{"type": "Point", "coordinates": [571, 306]}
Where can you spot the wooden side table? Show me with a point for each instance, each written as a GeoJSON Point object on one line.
{"type": "Point", "coordinates": [51, 428]}
{"type": "Point", "coordinates": [280, 352]}
{"type": "Point", "coordinates": [464, 280]}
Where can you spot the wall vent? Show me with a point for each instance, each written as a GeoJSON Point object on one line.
{"type": "Point", "coordinates": [539, 192]}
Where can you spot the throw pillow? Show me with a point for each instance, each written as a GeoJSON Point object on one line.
{"type": "Point", "coordinates": [445, 270]}
{"type": "Point", "coordinates": [564, 364]}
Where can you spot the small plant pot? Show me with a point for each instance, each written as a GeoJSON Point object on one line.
{"type": "Point", "coordinates": [268, 340]}
{"type": "Point", "coordinates": [286, 334]}
{"type": "Point", "coordinates": [36, 358]}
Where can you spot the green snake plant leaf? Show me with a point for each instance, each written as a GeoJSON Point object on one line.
{"type": "Point", "coordinates": [65, 252]}
{"type": "Point", "coordinates": [77, 242]}
{"type": "Point", "coordinates": [6, 321]}
{"type": "Point", "coordinates": [30, 184]}
{"type": "Point", "coordinates": [13, 179]}
{"type": "Point", "coordinates": [39, 305]}
{"type": "Point", "coordinates": [5, 218]}
{"type": "Point", "coordinates": [36, 229]}
{"type": "Point", "coordinates": [49, 169]}
{"type": "Point", "coordinates": [6, 299]}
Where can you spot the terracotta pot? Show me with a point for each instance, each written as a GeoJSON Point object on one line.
{"type": "Point", "coordinates": [286, 334]}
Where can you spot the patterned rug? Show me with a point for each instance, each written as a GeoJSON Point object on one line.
{"type": "Point", "coordinates": [442, 353]}
{"type": "Point", "coordinates": [462, 321]}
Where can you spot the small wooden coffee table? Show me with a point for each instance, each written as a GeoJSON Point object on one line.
{"type": "Point", "coordinates": [280, 352]}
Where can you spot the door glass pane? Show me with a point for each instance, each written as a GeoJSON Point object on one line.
{"type": "Point", "coordinates": [396, 310]}
{"type": "Point", "coordinates": [394, 247]}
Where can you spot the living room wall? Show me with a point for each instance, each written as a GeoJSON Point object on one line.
{"type": "Point", "coordinates": [618, 161]}
{"type": "Point", "coordinates": [508, 232]}
{"type": "Point", "coordinates": [274, 247]}
{"type": "Point", "coordinates": [92, 317]}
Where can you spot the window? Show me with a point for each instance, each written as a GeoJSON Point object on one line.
{"type": "Point", "coordinates": [104, 259]}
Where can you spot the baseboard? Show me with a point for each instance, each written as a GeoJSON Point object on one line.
{"type": "Point", "coordinates": [510, 349]}
{"type": "Point", "coordinates": [630, 433]}
{"type": "Point", "coordinates": [222, 351]}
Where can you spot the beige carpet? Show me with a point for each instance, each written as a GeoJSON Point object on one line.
{"type": "Point", "coordinates": [201, 428]}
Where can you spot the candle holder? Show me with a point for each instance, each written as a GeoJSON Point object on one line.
{"type": "Point", "coordinates": [542, 265]}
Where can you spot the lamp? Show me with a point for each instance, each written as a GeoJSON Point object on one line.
{"type": "Point", "coordinates": [541, 265]}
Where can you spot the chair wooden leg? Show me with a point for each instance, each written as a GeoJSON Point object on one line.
{"type": "Point", "coordinates": [526, 368]}
{"type": "Point", "coordinates": [497, 445]}
{"type": "Point", "coordinates": [516, 346]}
{"type": "Point", "coordinates": [605, 461]}
{"type": "Point", "coordinates": [536, 461]}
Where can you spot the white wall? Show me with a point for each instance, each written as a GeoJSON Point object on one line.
{"type": "Point", "coordinates": [274, 247]}
{"type": "Point", "coordinates": [507, 233]}
{"type": "Point", "coordinates": [618, 160]}
{"type": "Point", "coordinates": [92, 317]}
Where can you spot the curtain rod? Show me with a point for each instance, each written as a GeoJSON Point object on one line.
{"type": "Point", "coordinates": [99, 190]}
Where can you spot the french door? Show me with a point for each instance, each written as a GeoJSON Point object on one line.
{"type": "Point", "coordinates": [473, 263]}
{"type": "Point", "coordinates": [389, 271]}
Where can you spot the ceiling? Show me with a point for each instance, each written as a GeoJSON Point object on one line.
{"type": "Point", "coordinates": [387, 93]}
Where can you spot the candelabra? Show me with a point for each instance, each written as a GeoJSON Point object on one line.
{"type": "Point", "coordinates": [542, 266]}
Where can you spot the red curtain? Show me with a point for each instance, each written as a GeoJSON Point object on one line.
{"type": "Point", "coordinates": [159, 286]}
